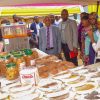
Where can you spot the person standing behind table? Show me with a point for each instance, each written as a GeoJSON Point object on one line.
{"type": "Point", "coordinates": [57, 20]}
{"type": "Point", "coordinates": [35, 26]}
{"type": "Point", "coordinates": [87, 30]}
{"type": "Point", "coordinates": [96, 45]}
{"type": "Point", "coordinates": [49, 38]}
{"type": "Point", "coordinates": [52, 18]}
{"type": "Point", "coordinates": [80, 27]}
{"type": "Point", "coordinates": [16, 19]}
{"type": "Point", "coordinates": [69, 37]}
{"type": "Point", "coordinates": [93, 22]}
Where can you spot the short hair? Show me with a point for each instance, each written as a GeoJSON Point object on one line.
{"type": "Point", "coordinates": [86, 17]}
{"type": "Point", "coordinates": [64, 10]}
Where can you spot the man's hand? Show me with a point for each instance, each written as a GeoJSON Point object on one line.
{"type": "Point", "coordinates": [75, 50]}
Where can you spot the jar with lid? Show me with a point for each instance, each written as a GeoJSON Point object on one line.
{"type": "Point", "coordinates": [7, 31]}
{"type": "Point", "coordinates": [19, 60]}
{"type": "Point", "coordinates": [5, 60]}
{"type": "Point", "coordinates": [21, 30]}
{"type": "Point", "coordinates": [29, 58]}
{"type": "Point", "coordinates": [12, 71]}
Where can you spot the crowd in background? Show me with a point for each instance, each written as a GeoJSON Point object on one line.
{"type": "Point", "coordinates": [57, 34]}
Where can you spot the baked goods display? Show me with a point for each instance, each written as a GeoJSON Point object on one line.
{"type": "Point", "coordinates": [59, 80]}
{"type": "Point", "coordinates": [53, 67]}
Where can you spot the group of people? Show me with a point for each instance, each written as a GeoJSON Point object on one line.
{"type": "Point", "coordinates": [56, 34]}
{"type": "Point", "coordinates": [67, 36]}
{"type": "Point", "coordinates": [53, 36]}
{"type": "Point", "coordinates": [89, 37]}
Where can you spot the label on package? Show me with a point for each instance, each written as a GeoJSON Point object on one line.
{"type": "Point", "coordinates": [6, 41]}
{"type": "Point", "coordinates": [28, 79]}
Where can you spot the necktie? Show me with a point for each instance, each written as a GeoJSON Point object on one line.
{"type": "Point", "coordinates": [48, 38]}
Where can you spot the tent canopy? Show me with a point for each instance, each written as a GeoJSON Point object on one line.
{"type": "Point", "coordinates": [40, 11]}
{"type": "Point", "coordinates": [28, 2]}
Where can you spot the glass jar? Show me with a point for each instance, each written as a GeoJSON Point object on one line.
{"type": "Point", "coordinates": [4, 60]}
{"type": "Point", "coordinates": [8, 31]}
{"type": "Point", "coordinates": [12, 71]}
{"type": "Point", "coordinates": [21, 30]}
{"type": "Point", "coordinates": [19, 60]}
{"type": "Point", "coordinates": [29, 58]}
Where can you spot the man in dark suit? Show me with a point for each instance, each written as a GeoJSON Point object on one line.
{"type": "Point", "coordinates": [35, 26]}
{"type": "Point", "coordinates": [50, 38]}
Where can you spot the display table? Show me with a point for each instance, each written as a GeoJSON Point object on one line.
{"type": "Point", "coordinates": [72, 84]}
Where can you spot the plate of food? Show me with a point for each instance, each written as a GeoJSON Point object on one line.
{"type": "Point", "coordinates": [3, 96]}
{"type": "Point", "coordinates": [59, 95]}
{"type": "Point", "coordinates": [22, 93]}
{"type": "Point", "coordinates": [10, 85]}
{"type": "Point", "coordinates": [72, 77]}
{"type": "Point", "coordinates": [50, 85]}
{"type": "Point", "coordinates": [77, 68]}
{"type": "Point", "coordinates": [86, 88]}
{"type": "Point", "coordinates": [34, 96]}
{"type": "Point", "coordinates": [62, 75]}
{"type": "Point", "coordinates": [96, 77]}
{"type": "Point", "coordinates": [80, 81]}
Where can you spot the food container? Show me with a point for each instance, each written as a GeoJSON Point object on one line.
{"type": "Point", "coordinates": [34, 96]}
{"type": "Point", "coordinates": [59, 95]}
{"type": "Point", "coordinates": [8, 31]}
{"type": "Point", "coordinates": [19, 60]}
{"type": "Point", "coordinates": [72, 77]}
{"type": "Point", "coordinates": [86, 88]}
{"type": "Point", "coordinates": [4, 60]}
{"type": "Point", "coordinates": [62, 75]}
{"type": "Point", "coordinates": [78, 82]}
{"type": "Point", "coordinates": [12, 71]}
{"type": "Point", "coordinates": [20, 29]}
{"type": "Point", "coordinates": [29, 76]}
{"type": "Point", "coordinates": [29, 58]}
{"type": "Point", "coordinates": [50, 85]}
{"type": "Point", "coordinates": [4, 96]}
{"type": "Point", "coordinates": [21, 90]}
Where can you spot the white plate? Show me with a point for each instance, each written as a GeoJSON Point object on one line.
{"type": "Point", "coordinates": [20, 88]}
{"type": "Point", "coordinates": [63, 76]}
{"type": "Point", "coordinates": [56, 94]}
{"type": "Point", "coordinates": [82, 82]}
{"type": "Point", "coordinates": [86, 91]}
{"type": "Point", "coordinates": [27, 97]}
{"type": "Point", "coordinates": [5, 82]}
{"type": "Point", "coordinates": [82, 71]}
{"type": "Point", "coordinates": [52, 88]}
{"type": "Point", "coordinates": [6, 88]}
{"type": "Point", "coordinates": [3, 96]}
{"type": "Point", "coordinates": [22, 93]}
{"type": "Point", "coordinates": [70, 79]}
{"type": "Point", "coordinates": [77, 68]}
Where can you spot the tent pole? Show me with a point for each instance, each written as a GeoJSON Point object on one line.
{"type": "Point", "coordinates": [98, 2]}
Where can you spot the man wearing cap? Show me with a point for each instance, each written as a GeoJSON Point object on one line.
{"type": "Point", "coordinates": [49, 38]}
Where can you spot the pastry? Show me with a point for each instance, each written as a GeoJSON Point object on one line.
{"type": "Point", "coordinates": [44, 75]}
